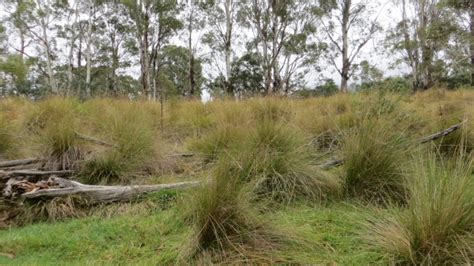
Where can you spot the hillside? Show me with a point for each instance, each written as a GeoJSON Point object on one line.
{"type": "Point", "coordinates": [268, 192]}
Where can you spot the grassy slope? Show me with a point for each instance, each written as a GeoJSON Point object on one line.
{"type": "Point", "coordinates": [332, 234]}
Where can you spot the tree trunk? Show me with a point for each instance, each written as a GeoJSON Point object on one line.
{"type": "Point", "coordinates": [191, 74]}
{"type": "Point", "coordinates": [472, 41]}
{"type": "Point", "coordinates": [345, 45]}
{"type": "Point", "coordinates": [274, 59]}
{"type": "Point", "coordinates": [228, 46]}
{"type": "Point", "coordinates": [142, 36]}
{"type": "Point", "coordinates": [49, 63]}
{"type": "Point", "coordinates": [88, 50]}
{"type": "Point", "coordinates": [115, 64]}
{"type": "Point", "coordinates": [71, 52]}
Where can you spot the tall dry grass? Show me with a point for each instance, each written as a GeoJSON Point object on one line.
{"type": "Point", "coordinates": [437, 225]}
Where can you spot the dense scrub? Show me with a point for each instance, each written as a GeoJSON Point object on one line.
{"type": "Point", "coordinates": [260, 158]}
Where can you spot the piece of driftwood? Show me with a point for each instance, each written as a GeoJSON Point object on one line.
{"type": "Point", "coordinates": [100, 194]}
{"type": "Point", "coordinates": [339, 161]}
{"type": "Point", "coordinates": [94, 140]}
{"type": "Point", "coordinates": [19, 162]}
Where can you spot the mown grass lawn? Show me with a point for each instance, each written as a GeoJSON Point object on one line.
{"type": "Point", "coordinates": [330, 234]}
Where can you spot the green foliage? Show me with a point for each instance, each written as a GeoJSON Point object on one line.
{"type": "Point", "coordinates": [175, 67]}
{"type": "Point", "coordinates": [247, 75]}
{"type": "Point", "coordinates": [328, 88]}
{"type": "Point", "coordinates": [390, 84]}
{"type": "Point", "coordinates": [16, 69]}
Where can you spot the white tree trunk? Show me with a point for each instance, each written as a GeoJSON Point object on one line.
{"type": "Point", "coordinates": [88, 50]}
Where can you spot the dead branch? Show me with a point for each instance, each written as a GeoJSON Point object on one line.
{"type": "Point", "coordinates": [9, 174]}
{"type": "Point", "coordinates": [19, 162]}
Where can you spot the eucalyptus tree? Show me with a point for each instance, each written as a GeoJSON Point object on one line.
{"type": "Point", "coordinates": [423, 32]}
{"type": "Point", "coordinates": [115, 39]}
{"type": "Point", "coordinates": [220, 37]}
{"type": "Point", "coordinates": [44, 19]}
{"type": "Point", "coordinates": [348, 27]}
{"type": "Point", "coordinates": [154, 22]}
{"type": "Point", "coordinates": [194, 22]}
{"type": "Point", "coordinates": [34, 21]}
{"type": "Point", "coordinates": [174, 62]}
{"type": "Point", "coordinates": [18, 19]}
{"type": "Point", "coordinates": [464, 15]}
{"type": "Point", "coordinates": [284, 37]}
{"type": "Point", "coordinates": [70, 33]}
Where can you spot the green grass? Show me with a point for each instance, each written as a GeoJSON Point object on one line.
{"type": "Point", "coordinates": [155, 237]}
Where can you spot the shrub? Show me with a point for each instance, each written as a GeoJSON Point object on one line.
{"type": "Point", "coordinates": [437, 225]}
{"type": "Point", "coordinates": [374, 156]}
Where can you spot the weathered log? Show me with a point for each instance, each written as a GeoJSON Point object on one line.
{"type": "Point", "coordinates": [94, 140]}
{"type": "Point", "coordinates": [19, 162]}
{"type": "Point", "coordinates": [441, 134]}
{"type": "Point", "coordinates": [8, 174]}
{"type": "Point", "coordinates": [339, 161]}
{"type": "Point", "coordinates": [97, 194]}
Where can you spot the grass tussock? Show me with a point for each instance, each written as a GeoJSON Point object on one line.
{"type": "Point", "coordinates": [226, 227]}
{"type": "Point", "coordinates": [8, 138]}
{"type": "Point", "coordinates": [374, 158]}
{"type": "Point", "coordinates": [56, 209]}
{"type": "Point", "coordinates": [135, 148]}
{"type": "Point", "coordinates": [437, 225]}
{"type": "Point", "coordinates": [278, 165]}
{"type": "Point", "coordinates": [53, 124]}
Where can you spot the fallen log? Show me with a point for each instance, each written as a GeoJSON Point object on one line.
{"type": "Point", "coordinates": [441, 134]}
{"type": "Point", "coordinates": [19, 162]}
{"type": "Point", "coordinates": [99, 194]}
{"type": "Point", "coordinates": [339, 161]}
{"type": "Point", "coordinates": [9, 174]}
